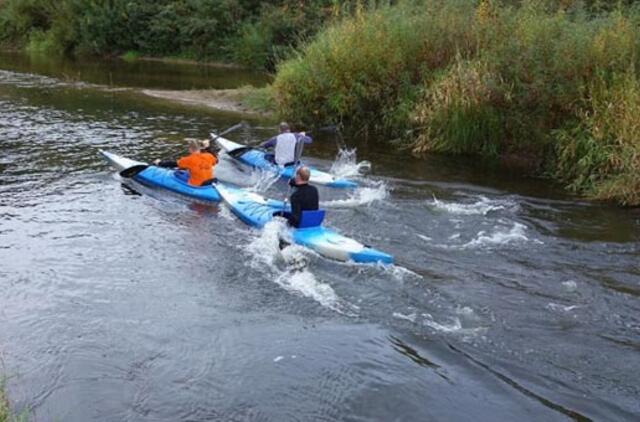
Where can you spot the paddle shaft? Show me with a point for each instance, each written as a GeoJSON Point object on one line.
{"type": "Point", "coordinates": [130, 172]}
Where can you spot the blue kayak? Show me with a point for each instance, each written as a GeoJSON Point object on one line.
{"type": "Point", "coordinates": [256, 159]}
{"type": "Point", "coordinates": [257, 211]}
{"type": "Point", "coordinates": [171, 180]}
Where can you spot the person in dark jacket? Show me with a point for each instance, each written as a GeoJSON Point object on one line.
{"type": "Point", "coordinates": [304, 197]}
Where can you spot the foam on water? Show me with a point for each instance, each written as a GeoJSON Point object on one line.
{"type": "Point", "coordinates": [453, 327]}
{"type": "Point", "coordinates": [289, 268]}
{"type": "Point", "coordinates": [570, 285]}
{"type": "Point", "coordinates": [561, 308]}
{"type": "Point", "coordinates": [411, 317]}
{"type": "Point", "coordinates": [481, 207]}
{"type": "Point", "coordinates": [360, 196]}
{"type": "Point", "coordinates": [265, 248]}
{"type": "Point", "coordinates": [498, 238]}
{"type": "Point", "coordinates": [345, 164]}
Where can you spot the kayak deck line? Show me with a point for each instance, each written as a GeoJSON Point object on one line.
{"type": "Point", "coordinates": [256, 158]}
{"type": "Point", "coordinates": [255, 211]}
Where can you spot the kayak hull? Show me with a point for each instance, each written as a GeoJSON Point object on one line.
{"type": "Point", "coordinates": [159, 177]}
{"type": "Point", "coordinates": [256, 211]}
{"type": "Point", "coordinates": [256, 158]}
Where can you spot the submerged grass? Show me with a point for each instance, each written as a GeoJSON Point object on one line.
{"type": "Point", "coordinates": [6, 413]}
{"type": "Point", "coordinates": [547, 80]}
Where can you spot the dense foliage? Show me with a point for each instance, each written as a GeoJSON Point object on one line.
{"type": "Point", "coordinates": [250, 32]}
{"type": "Point", "coordinates": [551, 83]}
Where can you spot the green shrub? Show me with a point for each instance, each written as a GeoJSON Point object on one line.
{"type": "Point", "coordinates": [535, 79]}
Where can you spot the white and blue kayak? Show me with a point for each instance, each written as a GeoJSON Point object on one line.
{"type": "Point", "coordinates": [256, 158]}
{"type": "Point", "coordinates": [256, 211]}
{"type": "Point", "coordinates": [163, 178]}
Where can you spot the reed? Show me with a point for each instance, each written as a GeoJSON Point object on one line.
{"type": "Point", "coordinates": [552, 81]}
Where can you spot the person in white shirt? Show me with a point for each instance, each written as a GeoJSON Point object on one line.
{"type": "Point", "coordinates": [286, 146]}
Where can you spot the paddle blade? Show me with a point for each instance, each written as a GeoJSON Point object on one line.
{"type": "Point", "coordinates": [237, 153]}
{"type": "Point", "coordinates": [133, 171]}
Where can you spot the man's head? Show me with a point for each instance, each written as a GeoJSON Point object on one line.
{"type": "Point", "coordinates": [284, 127]}
{"type": "Point", "coordinates": [302, 175]}
{"type": "Point", "coordinates": [194, 146]}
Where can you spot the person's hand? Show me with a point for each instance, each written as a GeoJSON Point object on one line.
{"type": "Point", "coordinates": [156, 161]}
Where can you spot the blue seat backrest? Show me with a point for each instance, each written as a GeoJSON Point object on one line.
{"type": "Point", "coordinates": [182, 175]}
{"type": "Point", "coordinates": [311, 219]}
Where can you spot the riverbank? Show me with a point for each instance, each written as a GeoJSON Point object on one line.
{"type": "Point", "coordinates": [557, 83]}
{"type": "Point", "coordinates": [245, 100]}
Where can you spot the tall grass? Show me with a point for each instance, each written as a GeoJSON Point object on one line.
{"type": "Point", "coordinates": [549, 80]}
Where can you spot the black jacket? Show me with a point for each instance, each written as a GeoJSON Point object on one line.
{"type": "Point", "coordinates": [304, 198]}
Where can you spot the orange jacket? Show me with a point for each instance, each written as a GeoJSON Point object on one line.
{"type": "Point", "coordinates": [200, 166]}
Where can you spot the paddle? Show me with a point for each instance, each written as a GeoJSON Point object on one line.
{"type": "Point", "coordinates": [236, 153]}
{"type": "Point", "coordinates": [130, 172]}
{"type": "Point", "coordinates": [231, 129]}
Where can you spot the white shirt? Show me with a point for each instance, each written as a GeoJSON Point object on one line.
{"type": "Point", "coordinates": [285, 148]}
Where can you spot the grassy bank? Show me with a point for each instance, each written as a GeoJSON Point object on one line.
{"type": "Point", "coordinates": [552, 83]}
{"type": "Point", "coordinates": [6, 414]}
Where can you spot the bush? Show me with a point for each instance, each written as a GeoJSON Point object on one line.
{"type": "Point", "coordinates": [251, 32]}
{"type": "Point", "coordinates": [547, 80]}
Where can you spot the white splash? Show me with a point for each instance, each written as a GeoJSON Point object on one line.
{"type": "Point", "coordinates": [561, 308]}
{"type": "Point", "coordinates": [400, 273]}
{"type": "Point", "coordinates": [306, 284]}
{"type": "Point", "coordinates": [410, 317]}
{"type": "Point", "coordinates": [295, 277]}
{"type": "Point", "coordinates": [570, 285]}
{"type": "Point", "coordinates": [454, 326]}
{"type": "Point", "coordinates": [498, 238]}
{"type": "Point", "coordinates": [265, 248]}
{"type": "Point", "coordinates": [359, 197]}
{"type": "Point", "coordinates": [481, 207]}
{"type": "Point", "coordinates": [262, 180]}
{"type": "Point", "coordinates": [345, 164]}
{"type": "Point", "coordinates": [425, 238]}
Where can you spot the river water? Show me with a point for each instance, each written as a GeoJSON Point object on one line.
{"type": "Point", "coordinates": [509, 301]}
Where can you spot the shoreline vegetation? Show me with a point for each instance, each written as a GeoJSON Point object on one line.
{"type": "Point", "coordinates": [6, 413]}
{"type": "Point", "coordinates": [550, 85]}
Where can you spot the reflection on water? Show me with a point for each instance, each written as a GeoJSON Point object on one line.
{"type": "Point", "coordinates": [137, 74]}
{"type": "Point", "coordinates": [118, 302]}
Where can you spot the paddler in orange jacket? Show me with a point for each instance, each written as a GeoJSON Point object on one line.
{"type": "Point", "coordinates": [199, 165]}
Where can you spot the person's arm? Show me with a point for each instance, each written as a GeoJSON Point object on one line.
{"type": "Point", "coordinates": [303, 137]}
{"type": "Point", "coordinates": [185, 163]}
{"type": "Point", "coordinates": [270, 143]}
{"type": "Point", "coordinates": [170, 164]}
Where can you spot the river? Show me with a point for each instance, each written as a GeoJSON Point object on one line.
{"type": "Point", "coordinates": [509, 300]}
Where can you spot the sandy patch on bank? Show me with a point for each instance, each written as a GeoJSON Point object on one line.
{"type": "Point", "coordinates": [219, 99]}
